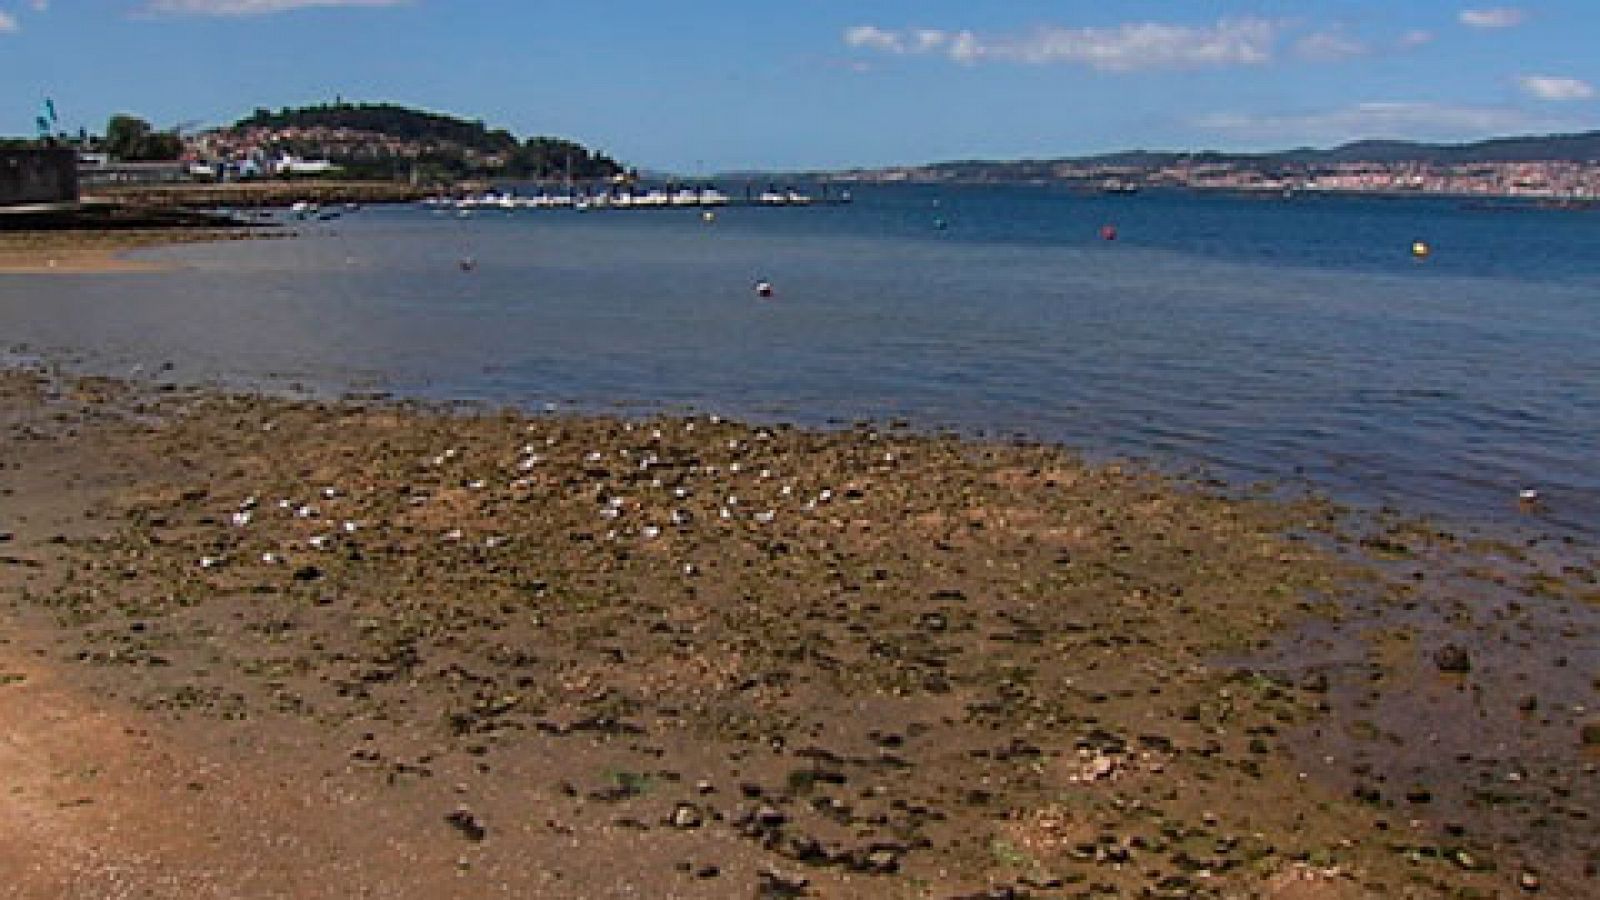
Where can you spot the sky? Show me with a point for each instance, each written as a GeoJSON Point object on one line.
{"type": "Point", "coordinates": [701, 87]}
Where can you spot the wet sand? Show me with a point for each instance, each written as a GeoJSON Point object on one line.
{"type": "Point", "coordinates": [445, 652]}
{"type": "Point", "coordinates": [88, 251]}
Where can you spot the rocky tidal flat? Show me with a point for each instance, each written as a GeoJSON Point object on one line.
{"type": "Point", "coordinates": [563, 655]}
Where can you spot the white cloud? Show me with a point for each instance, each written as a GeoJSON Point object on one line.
{"type": "Point", "coordinates": [1421, 121]}
{"type": "Point", "coordinates": [252, 7]}
{"type": "Point", "coordinates": [8, 23]}
{"type": "Point", "coordinates": [39, 5]}
{"type": "Point", "coordinates": [1330, 46]}
{"type": "Point", "coordinates": [874, 38]}
{"type": "Point", "coordinates": [1496, 17]}
{"type": "Point", "coordinates": [1415, 38]}
{"type": "Point", "coordinates": [1124, 48]}
{"type": "Point", "coordinates": [1555, 87]}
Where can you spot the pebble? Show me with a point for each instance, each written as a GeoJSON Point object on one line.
{"type": "Point", "coordinates": [1452, 658]}
{"type": "Point", "coordinates": [470, 826]}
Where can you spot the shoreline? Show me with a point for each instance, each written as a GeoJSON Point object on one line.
{"type": "Point", "coordinates": [92, 251]}
{"type": "Point", "coordinates": [872, 661]}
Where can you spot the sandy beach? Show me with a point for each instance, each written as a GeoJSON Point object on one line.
{"type": "Point", "coordinates": [89, 251]}
{"type": "Point", "coordinates": [480, 653]}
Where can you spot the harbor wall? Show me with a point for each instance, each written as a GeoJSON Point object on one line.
{"type": "Point", "coordinates": [38, 175]}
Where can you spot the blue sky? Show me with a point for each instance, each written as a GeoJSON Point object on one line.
{"type": "Point", "coordinates": [721, 84]}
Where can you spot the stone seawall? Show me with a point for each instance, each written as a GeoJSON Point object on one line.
{"type": "Point", "coordinates": [34, 176]}
{"type": "Point", "coordinates": [261, 194]}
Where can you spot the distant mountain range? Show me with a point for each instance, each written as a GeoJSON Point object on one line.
{"type": "Point", "coordinates": [1583, 147]}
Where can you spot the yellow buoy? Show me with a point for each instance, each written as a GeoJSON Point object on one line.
{"type": "Point", "coordinates": [1420, 249]}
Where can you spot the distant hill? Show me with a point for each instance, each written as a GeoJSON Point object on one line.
{"type": "Point", "coordinates": [1583, 147]}
{"type": "Point", "coordinates": [388, 140]}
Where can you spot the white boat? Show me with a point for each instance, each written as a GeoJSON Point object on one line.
{"type": "Point", "coordinates": [713, 197]}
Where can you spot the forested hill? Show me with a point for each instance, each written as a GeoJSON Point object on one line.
{"type": "Point", "coordinates": [388, 139]}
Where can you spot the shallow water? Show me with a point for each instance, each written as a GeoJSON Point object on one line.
{"type": "Point", "coordinates": [1257, 339]}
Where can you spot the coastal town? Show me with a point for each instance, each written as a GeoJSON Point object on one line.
{"type": "Point", "coordinates": [1558, 180]}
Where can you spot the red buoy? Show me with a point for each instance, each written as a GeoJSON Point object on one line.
{"type": "Point", "coordinates": [1108, 232]}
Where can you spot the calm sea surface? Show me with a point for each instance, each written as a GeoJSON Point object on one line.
{"type": "Point", "coordinates": [1283, 339]}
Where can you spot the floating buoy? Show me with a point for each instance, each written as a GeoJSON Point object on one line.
{"type": "Point", "coordinates": [763, 288]}
{"type": "Point", "coordinates": [940, 224]}
{"type": "Point", "coordinates": [708, 217]}
{"type": "Point", "coordinates": [1108, 232]}
{"type": "Point", "coordinates": [1420, 249]}
{"type": "Point", "coordinates": [468, 264]}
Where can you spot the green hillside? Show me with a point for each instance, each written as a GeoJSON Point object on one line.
{"type": "Point", "coordinates": [392, 140]}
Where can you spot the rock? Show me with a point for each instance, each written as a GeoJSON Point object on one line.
{"type": "Point", "coordinates": [1528, 881]}
{"type": "Point", "coordinates": [1590, 733]}
{"type": "Point", "coordinates": [775, 885]}
{"type": "Point", "coordinates": [468, 824]}
{"type": "Point", "coordinates": [307, 573]}
{"type": "Point", "coordinates": [686, 815]}
{"type": "Point", "coordinates": [1315, 683]}
{"type": "Point", "coordinates": [1452, 658]}
{"type": "Point", "coordinates": [879, 859]}
{"type": "Point", "coordinates": [1102, 767]}
{"type": "Point", "coordinates": [1528, 703]}
{"type": "Point", "coordinates": [770, 817]}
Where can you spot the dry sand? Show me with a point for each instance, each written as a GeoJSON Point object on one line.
{"type": "Point", "coordinates": [256, 647]}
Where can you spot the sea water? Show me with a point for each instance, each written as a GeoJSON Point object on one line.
{"type": "Point", "coordinates": [1288, 339]}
